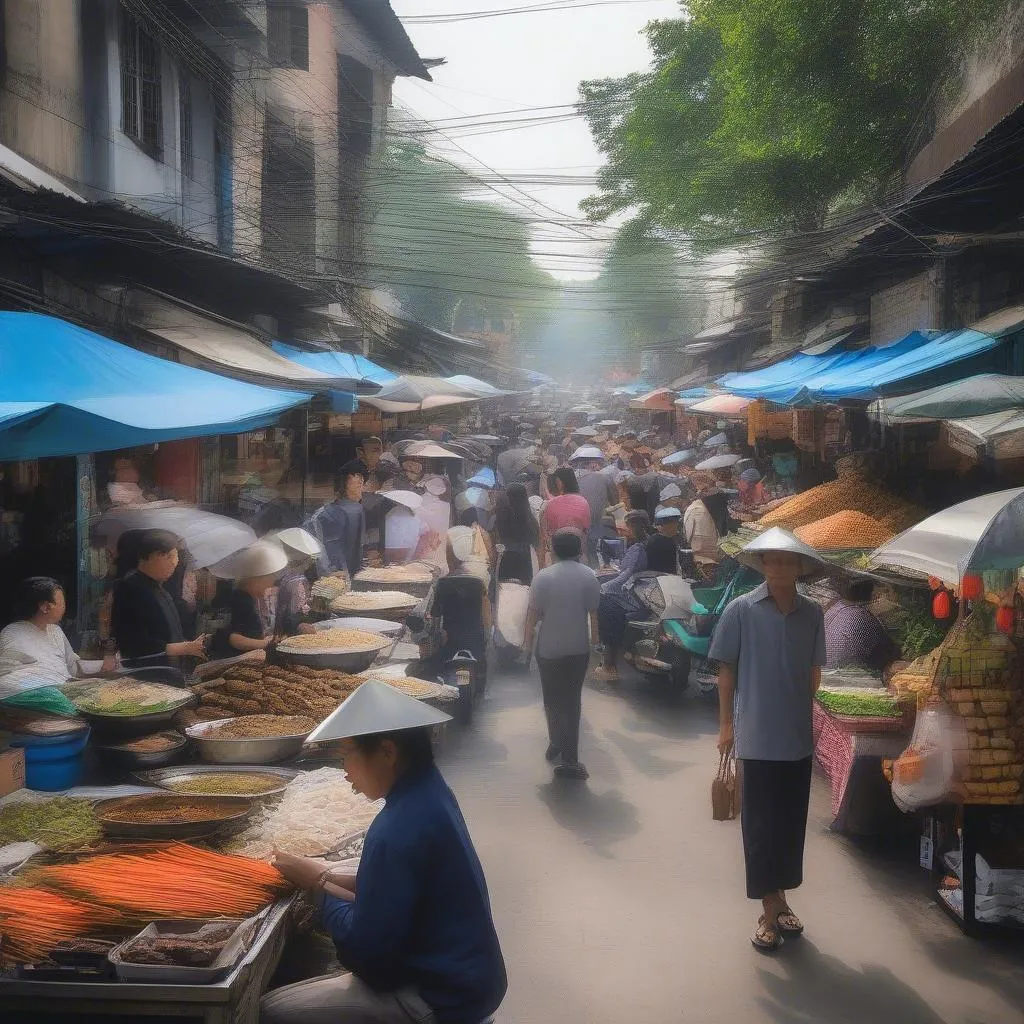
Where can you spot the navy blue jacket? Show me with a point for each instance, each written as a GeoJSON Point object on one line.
{"type": "Point", "coordinates": [422, 917]}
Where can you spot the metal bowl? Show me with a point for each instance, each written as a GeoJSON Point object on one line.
{"type": "Point", "coordinates": [239, 807]}
{"type": "Point", "coordinates": [261, 750]}
{"type": "Point", "coordinates": [126, 727]}
{"type": "Point", "coordinates": [167, 776]}
{"type": "Point", "coordinates": [383, 626]}
{"type": "Point", "coordinates": [121, 759]}
{"type": "Point", "coordinates": [349, 662]}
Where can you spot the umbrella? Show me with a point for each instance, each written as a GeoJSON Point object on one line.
{"type": "Point", "coordinates": [973, 536]}
{"type": "Point", "coordinates": [483, 478]}
{"type": "Point", "coordinates": [977, 396]}
{"type": "Point", "coordinates": [428, 450]}
{"type": "Point", "coordinates": [716, 441]}
{"type": "Point", "coordinates": [208, 537]}
{"type": "Point", "coordinates": [411, 393]}
{"type": "Point", "coordinates": [678, 458]}
{"type": "Point", "coordinates": [587, 451]}
{"type": "Point", "coordinates": [718, 462]}
{"type": "Point", "coordinates": [586, 432]}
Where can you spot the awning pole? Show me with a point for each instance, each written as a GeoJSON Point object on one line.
{"type": "Point", "coordinates": [305, 460]}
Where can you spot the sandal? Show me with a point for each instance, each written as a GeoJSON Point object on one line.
{"type": "Point", "coordinates": [767, 938]}
{"type": "Point", "coordinates": [789, 924]}
{"type": "Point", "coordinates": [604, 675]}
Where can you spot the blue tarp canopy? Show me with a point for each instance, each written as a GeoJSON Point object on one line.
{"type": "Point", "coordinates": [367, 377]}
{"type": "Point", "coordinates": [919, 359]}
{"type": "Point", "coordinates": [67, 391]}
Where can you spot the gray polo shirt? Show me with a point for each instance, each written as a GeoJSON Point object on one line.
{"type": "Point", "coordinates": [563, 596]}
{"type": "Point", "coordinates": [774, 655]}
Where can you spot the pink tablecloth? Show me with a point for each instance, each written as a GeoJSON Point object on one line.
{"type": "Point", "coordinates": [836, 748]}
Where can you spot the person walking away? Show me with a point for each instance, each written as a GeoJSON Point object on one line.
{"type": "Point", "coordinates": [518, 533]}
{"type": "Point", "coordinates": [598, 488]}
{"type": "Point", "coordinates": [563, 601]}
{"type": "Point", "coordinates": [566, 509]}
{"type": "Point", "coordinates": [618, 602]}
{"type": "Point", "coordinates": [770, 646]}
{"type": "Point", "coordinates": [340, 526]}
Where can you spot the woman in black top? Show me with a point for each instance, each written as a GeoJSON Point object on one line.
{"type": "Point", "coordinates": [144, 619]}
{"type": "Point", "coordinates": [255, 570]}
{"type": "Point", "coordinates": [518, 531]}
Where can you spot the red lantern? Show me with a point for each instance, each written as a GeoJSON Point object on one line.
{"type": "Point", "coordinates": [1005, 619]}
{"type": "Point", "coordinates": [972, 588]}
{"type": "Point", "coordinates": [934, 582]}
{"type": "Point", "coordinates": [942, 607]}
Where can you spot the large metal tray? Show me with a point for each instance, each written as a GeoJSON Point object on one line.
{"type": "Point", "coordinates": [132, 760]}
{"type": "Point", "coordinates": [350, 662]}
{"type": "Point", "coordinates": [172, 830]}
{"type": "Point", "coordinates": [164, 776]}
{"type": "Point", "coordinates": [263, 750]}
{"type": "Point", "coordinates": [233, 951]}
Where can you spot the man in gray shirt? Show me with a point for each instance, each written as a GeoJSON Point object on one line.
{"type": "Point", "coordinates": [770, 646]}
{"type": "Point", "coordinates": [598, 488]}
{"type": "Point", "coordinates": [563, 600]}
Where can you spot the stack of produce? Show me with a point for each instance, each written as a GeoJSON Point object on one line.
{"type": "Point", "coordinates": [152, 744]}
{"type": "Point", "coordinates": [165, 881]}
{"type": "Point", "coordinates": [374, 600]}
{"type": "Point", "coordinates": [317, 811]}
{"type": "Point", "coordinates": [226, 783]}
{"type": "Point", "coordinates": [327, 588]}
{"type": "Point", "coordinates": [35, 920]}
{"type": "Point", "coordinates": [126, 696]}
{"type": "Point", "coordinates": [60, 824]}
{"type": "Point", "coordinates": [844, 530]}
{"type": "Point", "coordinates": [335, 640]}
{"type": "Point", "coordinates": [412, 573]}
{"type": "Point", "coordinates": [850, 703]}
{"type": "Point", "coordinates": [292, 690]}
{"type": "Point", "coordinates": [251, 727]}
{"type": "Point", "coordinates": [851, 492]}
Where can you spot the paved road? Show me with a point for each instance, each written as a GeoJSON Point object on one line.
{"type": "Point", "coordinates": [621, 902]}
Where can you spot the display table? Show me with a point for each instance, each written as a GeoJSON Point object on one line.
{"type": "Point", "coordinates": [235, 1000]}
{"type": "Point", "coordinates": [852, 760]}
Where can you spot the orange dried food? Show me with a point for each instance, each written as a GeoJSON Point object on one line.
{"type": "Point", "coordinates": [848, 492]}
{"type": "Point", "coordinates": [846, 529]}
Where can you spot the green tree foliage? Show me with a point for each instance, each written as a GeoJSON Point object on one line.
{"type": "Point", "coordinates": [440, 249]}
{"type": "Point", "coordinates": [761, 116]}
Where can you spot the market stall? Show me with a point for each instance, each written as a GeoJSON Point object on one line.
{"type": "Point", "coordinates": [191, 789]}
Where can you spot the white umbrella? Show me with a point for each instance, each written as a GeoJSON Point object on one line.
{"type": "Point", "coordinates": [411, 393]}
{"type": "Point", "coordinates": [718, 462]}
{"type": "Point", "coordinates": [983, 533]}
{"type": "Point", "coordinates": [208, 537]}
{"type": "Point", "coordinates": [407, 499]}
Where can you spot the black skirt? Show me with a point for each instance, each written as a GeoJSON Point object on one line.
{"type": "Point", "coordinates": [774, 819]}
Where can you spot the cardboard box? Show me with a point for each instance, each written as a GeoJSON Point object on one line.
{"type": "Point", "coordinates": [12, 770]}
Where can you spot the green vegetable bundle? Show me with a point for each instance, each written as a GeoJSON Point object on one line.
{"type": "Point", "coordinates": [855, 705]}
{"type": "Point", "coordinates": [62, 823]}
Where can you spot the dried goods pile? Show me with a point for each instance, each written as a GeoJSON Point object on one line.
{"type": "Point", "coordinates": [316, 812]}
{"type": "Point", "coordinates": [175, 880]}
{"type": "Point", "coordinates": [61, 824]}
{"type": "Point", "coordinates": [846, 529]}
{"type": "Point", "coordinates": [152, 744]}
{"type": "Point", "coordinates": [195, 949]}
{"type": "Point", "coordinates": [251, 727]}
{"type": "Point", "coordinates": [336, 639]}
{"type": "Point", "coordinates": [35, 920]}
{"type": "Point", "coordinates": [166, 810]}
{"type": "Point", "coordinates": [226, 784]}
{"type": "Point", "coordinates": [851, 492]}
{"type": "Point", "coordinates": [125, 696]}
{"type": "Point", "coordinates": [408, 685]}
{"type": "Point", "coordinates": [290, 690]}
{"type": "Point", "coordinates": [374, 600]}
{"type": "Point", "coordinates": [979, 676]}
{"type": "Point", "coordinates": [329, 587]}
{"type": "Point", "coordinates": [395, 574]}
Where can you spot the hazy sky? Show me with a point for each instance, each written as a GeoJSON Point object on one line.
{"type": "Point", "coordinates": [505, 64]}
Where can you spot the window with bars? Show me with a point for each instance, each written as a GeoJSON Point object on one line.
{"type": "Point", "coordinates": [141, 88]}
{"type": "Point", "coordinates": [288, 34]}
{"type": "Point", "coordinates": [185, 126]}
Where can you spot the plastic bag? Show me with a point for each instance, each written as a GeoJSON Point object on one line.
{"type": "Point", "coordinates": [510, 616]}
{"type": "Point", "coordinates": [926, 771]}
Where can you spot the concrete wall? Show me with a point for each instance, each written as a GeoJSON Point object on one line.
{"type": "Point", "coordinates": [42, 106]}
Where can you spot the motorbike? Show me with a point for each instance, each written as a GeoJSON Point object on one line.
{"type": "Point", "coordinates": [648, 643]}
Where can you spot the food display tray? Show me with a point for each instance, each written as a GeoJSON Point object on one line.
{"type": "Point", "coordinates": [255, 751]}
{"type": "Point", "coordinates": [241, 808]}
{"type": "Point", "coordinates": [233, 951]}
{"type": "Point", "coordinates": [165, 776]}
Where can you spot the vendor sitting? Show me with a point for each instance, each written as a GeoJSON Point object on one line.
{"type": "Point", "coordinates": [854, 638]}
{"type": "Point", "coordinates": [255, 570]}
{"type": "Point", "coordinates": [413, 925]}
{"type": "Point", "coordinates": [36, 634]}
